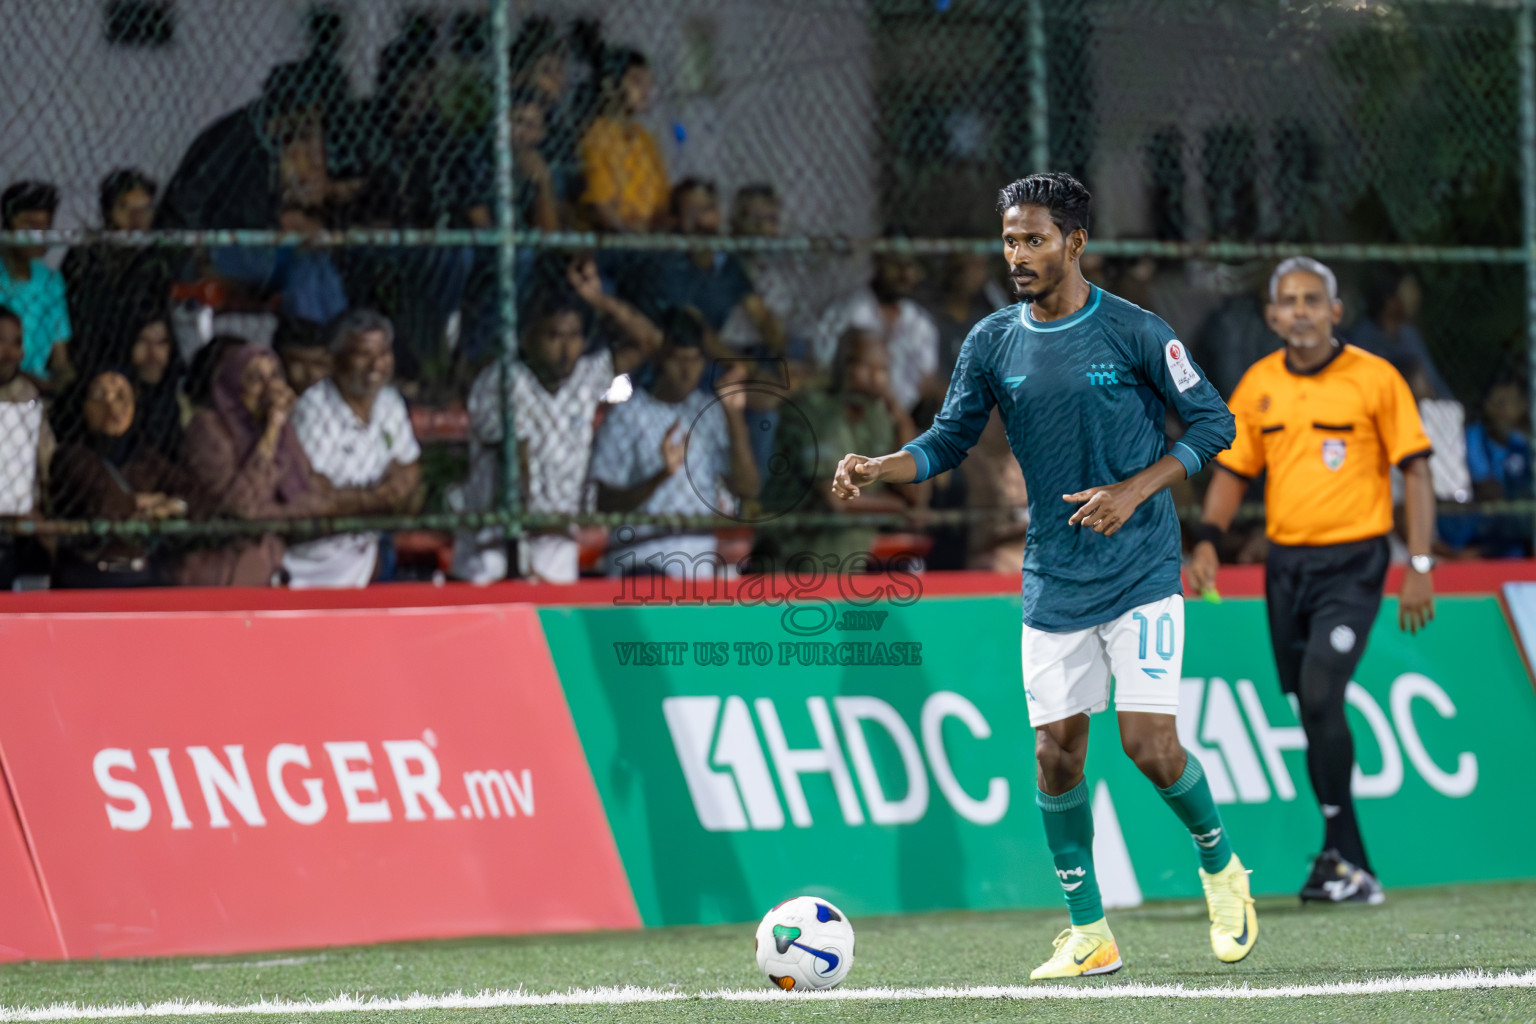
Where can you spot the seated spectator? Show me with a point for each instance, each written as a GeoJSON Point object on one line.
{"type": "Point", "coordinates": [855, 413]}
{"type": "Point", "coordinates": [540, 68]}
{"type": "Point", "coordinates": [247, 458]}
{"type": "Point", "coordinates": [107, 285]}
{"type": "Point", "coordinates": [237, 170]}
{"type": "Point", "coordinates": [776, 309]}
{"type": "Point", "coordinates": [535, 196]}
{"type": "Point", "coordinates": [554, 394]}
{"type": "Point", "coordinates": [300, 344]}
{"type": "Point", "coordinates": [1235, 335]}
{"type": "Point", "coordinates": [26, 442]}
{"type": "Point", "coordinates": [304, 279]}
{"type": "Point", "coordinates": [109, 473]}
{"type": "Point", "coordinates": [995, 483]}
{"type": "Point", "coordinates": [356, 431]}
{"type": "Point", "coordinates": [885, 307]}
{"type": "Point", "coordinates": [673, 449]}
{"type": "Point", "coordinates": [965, 295]}
{"type": "Point", "coordinates": [1499, 458]}
{"type": "Point", "coordinates": [1444, 422]}
{"type": "Point", "coordinates": [626, 177]}
{"type": "Point", "coordinates": [31, 288]}
{"type": "Point", "coordinates": [205, 363]}
{"type": "Point", "coordinates": [1392, 299]}
{"type": "Point", "coordinates": [157, 374]}
{"type": "Point", "coordinates": [713, 283]}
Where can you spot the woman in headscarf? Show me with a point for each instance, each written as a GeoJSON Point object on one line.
{"type": "Point", "coordinates": [157, 374]}
{"type": "Point", "coordinates": [245, 455]}
{"type": "Point", "coordinates": [106, 471]}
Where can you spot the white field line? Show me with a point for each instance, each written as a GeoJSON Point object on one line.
{"type": "Point", "coordinates": [1462, 981]}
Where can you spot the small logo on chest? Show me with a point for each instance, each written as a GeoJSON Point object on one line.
{"type": "Point", "coordinates": [1105, 374]}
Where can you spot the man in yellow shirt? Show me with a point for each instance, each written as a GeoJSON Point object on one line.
{"type": "Point", "coordinates": [1327, 422]}
{"type": "Point", "coordinates": [626, 178]}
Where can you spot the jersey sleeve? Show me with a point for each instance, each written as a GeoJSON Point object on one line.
{"type": "Point", "coordinates": [1172, 373]}
{"type": "Point", "coordinates": [967, 407]}
{"type": "Point", "coordinates": [1397, 420]}
{"type": "Point", "coordinates": [1246, 456]}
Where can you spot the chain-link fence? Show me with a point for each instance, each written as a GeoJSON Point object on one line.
{"type": "Point", "coordinates": [282, 277]}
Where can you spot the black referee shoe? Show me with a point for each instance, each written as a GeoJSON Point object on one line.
{"type": "Point", "coordinates": [1336, 880]}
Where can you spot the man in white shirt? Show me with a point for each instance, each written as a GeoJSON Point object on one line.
{"type": "Point", "coordinates": [357, 433]}
{"type": "Point", "coordinates": [885, 307]}
{"type": "Point", "coordinates": [554, 394]}
{"type": "Point", "coordinates": [674, 450]}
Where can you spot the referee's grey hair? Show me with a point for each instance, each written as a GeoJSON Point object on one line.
{"type": "Point", "coordinates": [1311, 266]}
{"type": "Point", "coordinates": [354, 322]}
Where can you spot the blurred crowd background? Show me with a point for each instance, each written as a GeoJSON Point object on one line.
{"type": "Point", "coordinates": [749, 238]}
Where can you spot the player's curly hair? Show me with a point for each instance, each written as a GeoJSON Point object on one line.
{"type": "Point", "coordinates": [1060, 193]}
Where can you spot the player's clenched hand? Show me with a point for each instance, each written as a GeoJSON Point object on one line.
{"type": "Point", "coordinates": [1105, 509]}
{"type": "Point", "coordinates": [853, 473]}
{"type": "Point", "coordinates": [1416, 603]}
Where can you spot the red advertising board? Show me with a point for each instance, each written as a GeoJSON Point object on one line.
{"type": "Point", "coordinates": [225, 781]}
{"type": "Point", "coordinates": [27, 930]}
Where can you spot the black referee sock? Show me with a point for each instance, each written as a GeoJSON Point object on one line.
{"type": "Point", "coordinates": [1331, 758]}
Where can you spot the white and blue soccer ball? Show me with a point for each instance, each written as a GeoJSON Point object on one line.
{"type": "Point", "coordinates": [805, 944]}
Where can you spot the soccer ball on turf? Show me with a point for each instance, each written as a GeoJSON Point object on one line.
{"type": "Point", "coordinates": [805, 943]}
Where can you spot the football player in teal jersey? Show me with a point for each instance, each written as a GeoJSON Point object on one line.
{"type": "Point", "coordinates": [1082, 380]}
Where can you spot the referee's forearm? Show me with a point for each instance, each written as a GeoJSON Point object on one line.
{"type": "Point", "coordinates": [1419, 506]}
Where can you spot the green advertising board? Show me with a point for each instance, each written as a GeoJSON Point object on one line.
{"type": "Point", "coordinates": [880, 755]}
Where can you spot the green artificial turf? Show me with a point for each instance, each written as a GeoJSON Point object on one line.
{"type": "Point", "coordinates": [1429, 931]}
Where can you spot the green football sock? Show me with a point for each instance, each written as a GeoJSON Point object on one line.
{"type": "Point", "coordinates": [1069, 833]}
{"type": "Point", "coordinates": [1191, 800]}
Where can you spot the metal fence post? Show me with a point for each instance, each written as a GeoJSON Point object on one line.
{"type": "Point", "coordinates": [1039, 96]}
{"type": "Point", "coordinates": [1526, 41]}
{"type": "Point", "coordinates": [506, 258]}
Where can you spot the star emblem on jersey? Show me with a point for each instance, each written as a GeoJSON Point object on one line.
{"type": "Point", "coordinates": [1102, 374]}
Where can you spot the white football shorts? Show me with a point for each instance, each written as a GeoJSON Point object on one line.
{"type": "Point", "coordinates": [1068, 674]}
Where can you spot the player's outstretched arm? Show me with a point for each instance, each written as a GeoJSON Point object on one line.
{"type": "Point", "coordinates": [1107, 507]}
{"type": "Point", "coordinates": [856, 472]}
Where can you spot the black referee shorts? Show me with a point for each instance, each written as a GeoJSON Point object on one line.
{"type": "Point", "coordinates": [1322, 602]}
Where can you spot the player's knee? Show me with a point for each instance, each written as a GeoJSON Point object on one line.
{"type": "Point", "coordinates": [1158, 755]}
{"type": "Point", "coordinates": [1060, 766]}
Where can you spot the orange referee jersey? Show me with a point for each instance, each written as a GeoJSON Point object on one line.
{"type": "Point", "coordinates": [1328, 438]}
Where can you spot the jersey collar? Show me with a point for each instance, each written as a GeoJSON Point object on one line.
{"type": "Point", "coordinates": [1338, 350]}
{"type": "Point", "coordinates": [1095, 294]}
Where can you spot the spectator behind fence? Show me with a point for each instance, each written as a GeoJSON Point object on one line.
{"type": "Point", "coordinates": [1392, 298]}
{"type": "Point", "coordinates": [106, 285]}
{"type": "Point", "coordinates": [554, 396]}
{"type": "Point", "coordinates": [885, 307]}
{"type": "Point", "coordinates": [966, 293]}
{"type": "Point", "coordinates": [236, 171]}
{"type": "Point", "coordinates": [31, 288]}
{"type": "Point", "coordinates": [776, 309]}
{"type": "Point", "coordinates": [246, 456]}
{"type": "Point", "coordinates": [301, 346]}
{"type": "Point", "coordinates": [205, 362]}
{"type": "Point", "coordinates": [303, 279]}
{"type": "Point", "coordinates": [26, 441]}
{"type": "Point", "coordinates": [856, 413]}
{"type": "Point", "coordinates": [540, 68]}
{"type": "Point", "coordinates": [626, 177]}
{"type": "Point", "coordinates": [150, 353]}
{"type": "Point", "coordinates": [673, 449]}
{"type": "Point", "coordinates": [1499, 458]}
{"type": "Point", "coordinates": [713, 283]}
{"type": "Point", "coordinates": [356, 431]}
{"type": "Point", "coordinates": [108, 472]}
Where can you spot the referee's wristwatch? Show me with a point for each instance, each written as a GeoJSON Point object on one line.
{"type": "Point", "coordinates": [1422, 563]}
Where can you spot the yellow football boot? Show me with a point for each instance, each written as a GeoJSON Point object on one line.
{"type": "Point", "coordinates": [1081, 951]}
{"type": "Point", "coordinates": [1234, 925]}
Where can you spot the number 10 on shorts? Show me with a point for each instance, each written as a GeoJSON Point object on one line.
{"type": "Point", "coordinates": [1165, 635]}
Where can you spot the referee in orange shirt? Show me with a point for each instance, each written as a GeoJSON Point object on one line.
{"type": "Point", "coordinates": [1327, 421]}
